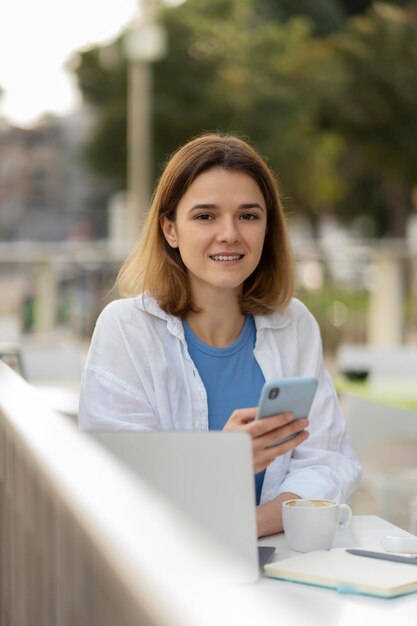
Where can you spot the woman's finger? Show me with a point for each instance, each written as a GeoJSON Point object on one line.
{"type": "Point", "coordinates": [265, 456]}
{"type": "Point", "coordinates": [273, 436]}
{"type": "Point", "coordinates": [258, 428]}
{"type": "Point", "coordinates": [240, 417]}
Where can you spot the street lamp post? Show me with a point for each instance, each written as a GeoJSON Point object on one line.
{"type": "Point", "coordinates": [145, 44]}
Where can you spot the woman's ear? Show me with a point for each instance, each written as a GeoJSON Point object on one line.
{"type": "Point", "coordinates": [168, 228]}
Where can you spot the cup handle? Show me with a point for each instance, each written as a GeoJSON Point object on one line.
{"type": "Point", "coordinates": [345, 515]}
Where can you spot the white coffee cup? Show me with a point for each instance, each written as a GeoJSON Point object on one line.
{"type": "Point", "coordinates": [312, 524]}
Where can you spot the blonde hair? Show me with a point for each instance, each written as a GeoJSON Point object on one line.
{"type": "Point", "coordinates": [156, 267]}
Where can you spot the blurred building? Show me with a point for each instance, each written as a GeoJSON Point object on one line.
{"type": "Point", "coordinates": [47, 192]}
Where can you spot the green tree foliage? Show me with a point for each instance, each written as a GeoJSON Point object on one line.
{"type": "Point", "coordinates": [326, 16]}
{"type": "Point", "coordinates": [334, 115]}
{"type": "Point", "coordinates": [185, 101]}
{"type": "Point", "coordinates": [231, 70]}
{"type": "Point", "coordinates": [355, 7]}
{"type": "Point", "coordinates": [376, 112]}
{"type": "Point", "coordinates": [102, 76]}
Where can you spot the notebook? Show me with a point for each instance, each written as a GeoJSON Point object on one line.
{"type": "Point", "coordinates": [208, 475]}
{"type": "Point", "coordinates": [347, 573]}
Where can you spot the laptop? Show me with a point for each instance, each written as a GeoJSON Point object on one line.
{"type": "Point", "coordinates": [208, 475]}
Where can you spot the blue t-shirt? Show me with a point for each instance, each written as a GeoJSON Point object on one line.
{"type": "Point", "coordinates": [231, 376]}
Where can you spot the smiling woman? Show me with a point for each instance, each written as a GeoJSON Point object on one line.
{"type": "Point", "coordinates": [210, 315]}
{"type": "Point", "coordinates": [190, 181]}
{"type": "Point", "coordinates": [219, 231]}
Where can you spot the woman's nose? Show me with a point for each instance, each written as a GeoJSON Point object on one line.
{"type": "Point", "coordinates": [229, 232]}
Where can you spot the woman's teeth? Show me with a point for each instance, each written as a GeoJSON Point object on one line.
{"type": "Point", "coordinates": [222, 257]}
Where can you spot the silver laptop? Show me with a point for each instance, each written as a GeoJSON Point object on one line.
{"type": "Point", "coordinates": [208, 475]}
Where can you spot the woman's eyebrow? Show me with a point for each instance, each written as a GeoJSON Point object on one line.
{"type": "Point", "coordinates": [248, 205]}
{"type": "Point", "coordinates": [203, 206]}
{"type": "Point", "coordinates": [251, 205]}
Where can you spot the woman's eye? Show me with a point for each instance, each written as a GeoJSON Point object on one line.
{"type": "Point", "coordinates": [249, 216]}
{"type": "Point", "coordinates": [204, 217]}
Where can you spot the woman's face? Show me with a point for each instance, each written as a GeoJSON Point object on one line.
{"type": "Point", "coordinates": [219, 229]}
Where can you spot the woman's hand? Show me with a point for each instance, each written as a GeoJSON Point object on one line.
{"type": "Point", "coordinates": [267, 431]}
{"type": "Point", "coordinates": [269, 515]}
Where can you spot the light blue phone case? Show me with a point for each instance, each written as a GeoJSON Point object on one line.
{"type": "Point", "coordinates": [284, 395]}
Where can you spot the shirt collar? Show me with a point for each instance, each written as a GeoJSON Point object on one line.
{"type": "Point", "coordinates": [275, 321]}
{"type": "Point", "coordinates": [147, 303]}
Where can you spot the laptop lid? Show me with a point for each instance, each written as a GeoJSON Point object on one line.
{"type": "Point", "coordinates": [207, 475]}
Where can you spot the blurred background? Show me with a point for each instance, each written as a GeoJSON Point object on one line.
{"type": "Point", "coordinates": [95, 96]}
{"type": "Point", "coordinates": [94, 99]}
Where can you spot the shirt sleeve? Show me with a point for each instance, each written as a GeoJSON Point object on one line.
{"type": "Point", "coordinates": [112, 395]}
{"type": "Point", "coordinates": [324, 465]}
{"type": "Point", "coordinates": [108, 404]}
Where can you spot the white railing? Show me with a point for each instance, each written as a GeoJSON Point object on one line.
{"type": "Point", "coordinates": [385, 270]}
{"type": "Point", "coordinates": [79, 276]}
{"type": "Point", "coordinates": [83, 542]}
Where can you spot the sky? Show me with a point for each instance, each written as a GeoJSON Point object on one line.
{"type": "Point", "coordinates": [37, 37]}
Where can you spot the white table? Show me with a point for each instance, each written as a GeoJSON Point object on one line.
{"type": "Point", "coordinates": [305, 605]}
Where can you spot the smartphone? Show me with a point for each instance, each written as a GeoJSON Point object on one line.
{"type": "Point", "coordinates": [284, 395]}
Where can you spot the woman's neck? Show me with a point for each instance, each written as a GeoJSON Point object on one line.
{"type": "Point", "coordinates": [219, 321]}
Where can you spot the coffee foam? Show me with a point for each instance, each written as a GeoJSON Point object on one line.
{"type": "Point", "coordinates": [309, 503]}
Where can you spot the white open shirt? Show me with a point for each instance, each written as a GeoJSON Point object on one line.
{"type": "Point", "coordinates": [139, 376]}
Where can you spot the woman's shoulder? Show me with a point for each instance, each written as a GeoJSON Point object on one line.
{"type": "Point", "coordinates": [136, 311]}
{"type": "Point", "coordinates": [117, 309]}
{"type": "Point", "coordinates": [303, 317]}
{"type": "Point", "coordinates": [298, 309]}
{"type": "Point", "coordinates": [295, 312]}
